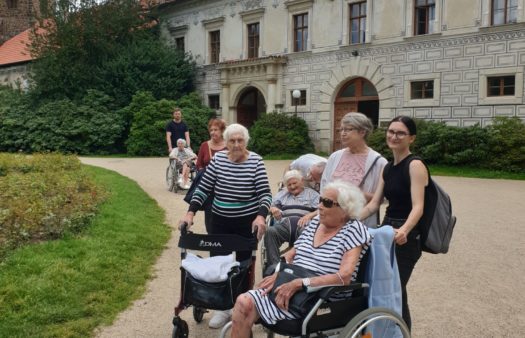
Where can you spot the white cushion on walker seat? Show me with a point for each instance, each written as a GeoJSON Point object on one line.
{"type": "Point", "coordinates": [211, 269]}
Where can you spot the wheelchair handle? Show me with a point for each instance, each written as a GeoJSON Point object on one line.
{"type": "Point", "coordinates": [184, 228]}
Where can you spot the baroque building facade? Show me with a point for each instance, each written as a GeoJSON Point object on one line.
{"type": "Point", "coordinates": [460, 62]}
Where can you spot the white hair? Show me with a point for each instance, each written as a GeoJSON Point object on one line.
{"type": "Point", "coordinates": [292, 174]}
{"type": "Point", "coordinates": [349, 197]}
{"type": "Point", "coordinates": [181, 140]}
{"type": "Point", "coordinates": [236, 128]}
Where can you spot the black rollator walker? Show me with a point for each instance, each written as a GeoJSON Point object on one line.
{"type": "Point", "coordinates": [204, 296]}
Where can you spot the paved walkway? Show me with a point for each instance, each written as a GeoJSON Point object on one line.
{"type": "Point", "coordinates": [476, 290]}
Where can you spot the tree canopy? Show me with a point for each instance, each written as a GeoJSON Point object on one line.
{"type": "Point", "coordinates": [112, 47]}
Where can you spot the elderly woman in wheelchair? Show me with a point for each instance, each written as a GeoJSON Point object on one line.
{"type": "Point", "coordinates": [292, 208]}
{"type": "Point", "coordinates": [331, 246]}
{"type": "Point", "coordinates": [184, 158]}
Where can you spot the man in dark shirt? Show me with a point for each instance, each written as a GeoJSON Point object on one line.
{"type": "Point", "coordinates": [176, 129]}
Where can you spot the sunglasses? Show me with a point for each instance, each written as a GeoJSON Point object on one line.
{"type": "Point", "coordinates": [327, 203]}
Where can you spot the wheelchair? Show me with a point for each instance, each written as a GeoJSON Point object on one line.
{"type": "Point", "coordinates": [174, 174]}
{"type": "Point", "coordinates": [348, 318]}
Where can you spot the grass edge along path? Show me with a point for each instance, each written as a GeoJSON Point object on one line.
{"type": "Point", "coordinates": [68, 287]}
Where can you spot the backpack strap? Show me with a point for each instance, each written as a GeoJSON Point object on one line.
{"type": "Point", "coordinates": [368, 171]}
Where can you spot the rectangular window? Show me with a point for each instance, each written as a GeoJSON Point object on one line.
{"type": "Point", "coordinates": [503, 11]}
{"type": "Point", "coordinates": [12, 4]}
{"type": "Point", "coordinates": [501, 85]}
{"type": "Point", "coordinates": [179, 44]}
{"type": "Point", "coordinates": [253, 40]}
{"type": "Point", "coordinates": [300, 32]}
{"type": "Point", "coordinates": [424, 16]}
{"type": "Point", "coordinates": [301, 101]}
{"type": "Point", "coordinates": [215, 46]}
{"type": "Point", "coordinates": [214, 101]}
{"type": "Point", "coordinates": [422, 90]}
{"type": "Point", "coordinates": [357, 22]}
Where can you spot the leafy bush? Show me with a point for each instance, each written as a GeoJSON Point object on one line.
{"type": "Point", "coordinates": [507, 144]}
{"type": "Point", "coordinates": [86, 128]}
{"type": "Point", "coordinates": [500, 146]}
{"type": "Point", "coordinates": [148, 129]}
{"type": "Point", "coordinates": [276, 133]}
{"type": "Point", "coordinates": [43, 197]}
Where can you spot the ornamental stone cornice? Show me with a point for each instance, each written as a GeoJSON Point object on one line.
{"type": "Point", "coordinates": [437, 42]}
{"type": "Point", "coordinates": [266, 68]}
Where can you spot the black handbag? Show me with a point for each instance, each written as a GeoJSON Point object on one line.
{"type": "Point", "coordinates": [220, 295]}
{"type": "Point", "coordinates": [301, 302]}
{"type": "Point", "coordinates": [193, 186]}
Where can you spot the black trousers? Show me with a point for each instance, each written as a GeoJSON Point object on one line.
{"type": "Point", "coordinates": [241, 226]}
{"type": "Point", "coordinates": [407, 256]}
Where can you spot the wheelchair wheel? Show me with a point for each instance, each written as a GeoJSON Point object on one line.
{"type": "Point", "coordinates": [198, 313]}
{"type": "Point", "coordinates": [357, 327]}
{"type": "Point", "coordinates": [180, 329]}
{"type": "Point", "coordinates": [169, 178]}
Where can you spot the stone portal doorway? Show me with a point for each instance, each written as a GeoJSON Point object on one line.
{"type": "Point", "coordinates": [357, 95]}
{"type": "Point", "coordinates": [250, 107]}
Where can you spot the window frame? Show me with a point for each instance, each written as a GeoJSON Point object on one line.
{"type": "Point", "coordinates": [11, 4]}
{"type": "Point", "coordinates": [304, 30]}
{"type": "Point", "coordinates": [429, 23]}
{"type": "Point", "coordinates": [214, 46]}
{"type": "Point", "coordinates": [178, 46]}
{"type": "Point", "coordinates": [253, 41]}
{"type": "Point", "coordinates": [214, 96]}
{"type": "Point", "coordinates": [485, 74]}
{"type": "Point", "coordinates": [359, 18]}
{"type": "Point", "coordinates": [422, 102]}
{"type": "Point", "coordinates": [505, 14]}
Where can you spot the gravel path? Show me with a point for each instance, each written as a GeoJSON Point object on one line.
{"type": "Point", "coordinates": [476, 290]}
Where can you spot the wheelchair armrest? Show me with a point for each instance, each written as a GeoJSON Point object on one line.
{"type": "Point", "coordinates": [326, 291]}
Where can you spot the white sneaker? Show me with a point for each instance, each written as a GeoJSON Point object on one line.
{"type": "Point", "coordinates": [219, 319]}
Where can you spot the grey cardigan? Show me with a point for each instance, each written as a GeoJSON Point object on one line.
{"type": "Point", "coordinates": [370, 183]}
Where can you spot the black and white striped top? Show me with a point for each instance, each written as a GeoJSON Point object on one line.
{"type": "Point", "coordinates": [241, 189]}
{"type": "Point", "coordinates": [324, 259]}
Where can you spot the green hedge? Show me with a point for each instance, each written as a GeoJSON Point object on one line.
{"type": "Point", "coordinates": [88, 127]}
{"type": "Point", "coordinates": [148, 129]}
{"type": "Point", "coordinates": [499, 146]}
{"type": "Point", "coordinates": [42, 197]}
{"type": "Point", "coordinates": [276, 133]}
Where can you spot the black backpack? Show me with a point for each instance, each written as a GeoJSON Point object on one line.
{"type": "Point", "coordinates": [437, 223]}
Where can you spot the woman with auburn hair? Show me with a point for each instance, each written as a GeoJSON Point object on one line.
{"type": "Point", "coordinates": [207, 149]}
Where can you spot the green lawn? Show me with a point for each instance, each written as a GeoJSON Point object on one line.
{"type": "Point", "coordinates": [67, 287]}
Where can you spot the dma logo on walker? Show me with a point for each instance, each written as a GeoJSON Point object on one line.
{"type": "Point", "coordinates": [205, 244]}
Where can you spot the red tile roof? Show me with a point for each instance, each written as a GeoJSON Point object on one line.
{"type": "Point", "coordinates": [15, 50]}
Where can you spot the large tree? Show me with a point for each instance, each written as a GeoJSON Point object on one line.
{"type": "Point", "coordinates": [110, 46]}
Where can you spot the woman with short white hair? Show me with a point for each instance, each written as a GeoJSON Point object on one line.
{"type": "Point", "coordinates": [332, 245]}
{"type": "Point", "coordinates": [242, 196]}
{"type": "Point", "coordinates": [184, 157]}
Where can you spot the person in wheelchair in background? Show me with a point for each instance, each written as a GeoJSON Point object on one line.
{"type": "Point", "coordinates": [292, 208]}
{"type": "Point", "coordinates": [332, 245]}
{"type": "Point", "coordinates": [311, 167]}
{"type": "Point", "coordinates": [184, 157]}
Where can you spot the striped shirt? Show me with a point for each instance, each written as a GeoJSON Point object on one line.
{"type": "Point", "coordinates": [300, 205]}
{"type": "Point", "coordinates": [324, 259]}
{"type": "Point", "coordinates": [240, 189]}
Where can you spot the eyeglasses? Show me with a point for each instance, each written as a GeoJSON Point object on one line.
{"type": "Point", "coordinates": [348, 130]}
{"type": "Point", "coordinates": [397, 134]}
{"type": "Point", "coordinates": [327, 203]}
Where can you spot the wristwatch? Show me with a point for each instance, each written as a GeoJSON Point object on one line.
{"type": "Point", "coordinates": [306, 283]}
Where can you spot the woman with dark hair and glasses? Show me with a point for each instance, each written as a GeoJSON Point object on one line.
{"type": "Point", "coordinates": [356, 163]}
{"type": "Point", "coordinates": [332, 245]}
{"type": "Point", "coordinates": [403, 183]}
